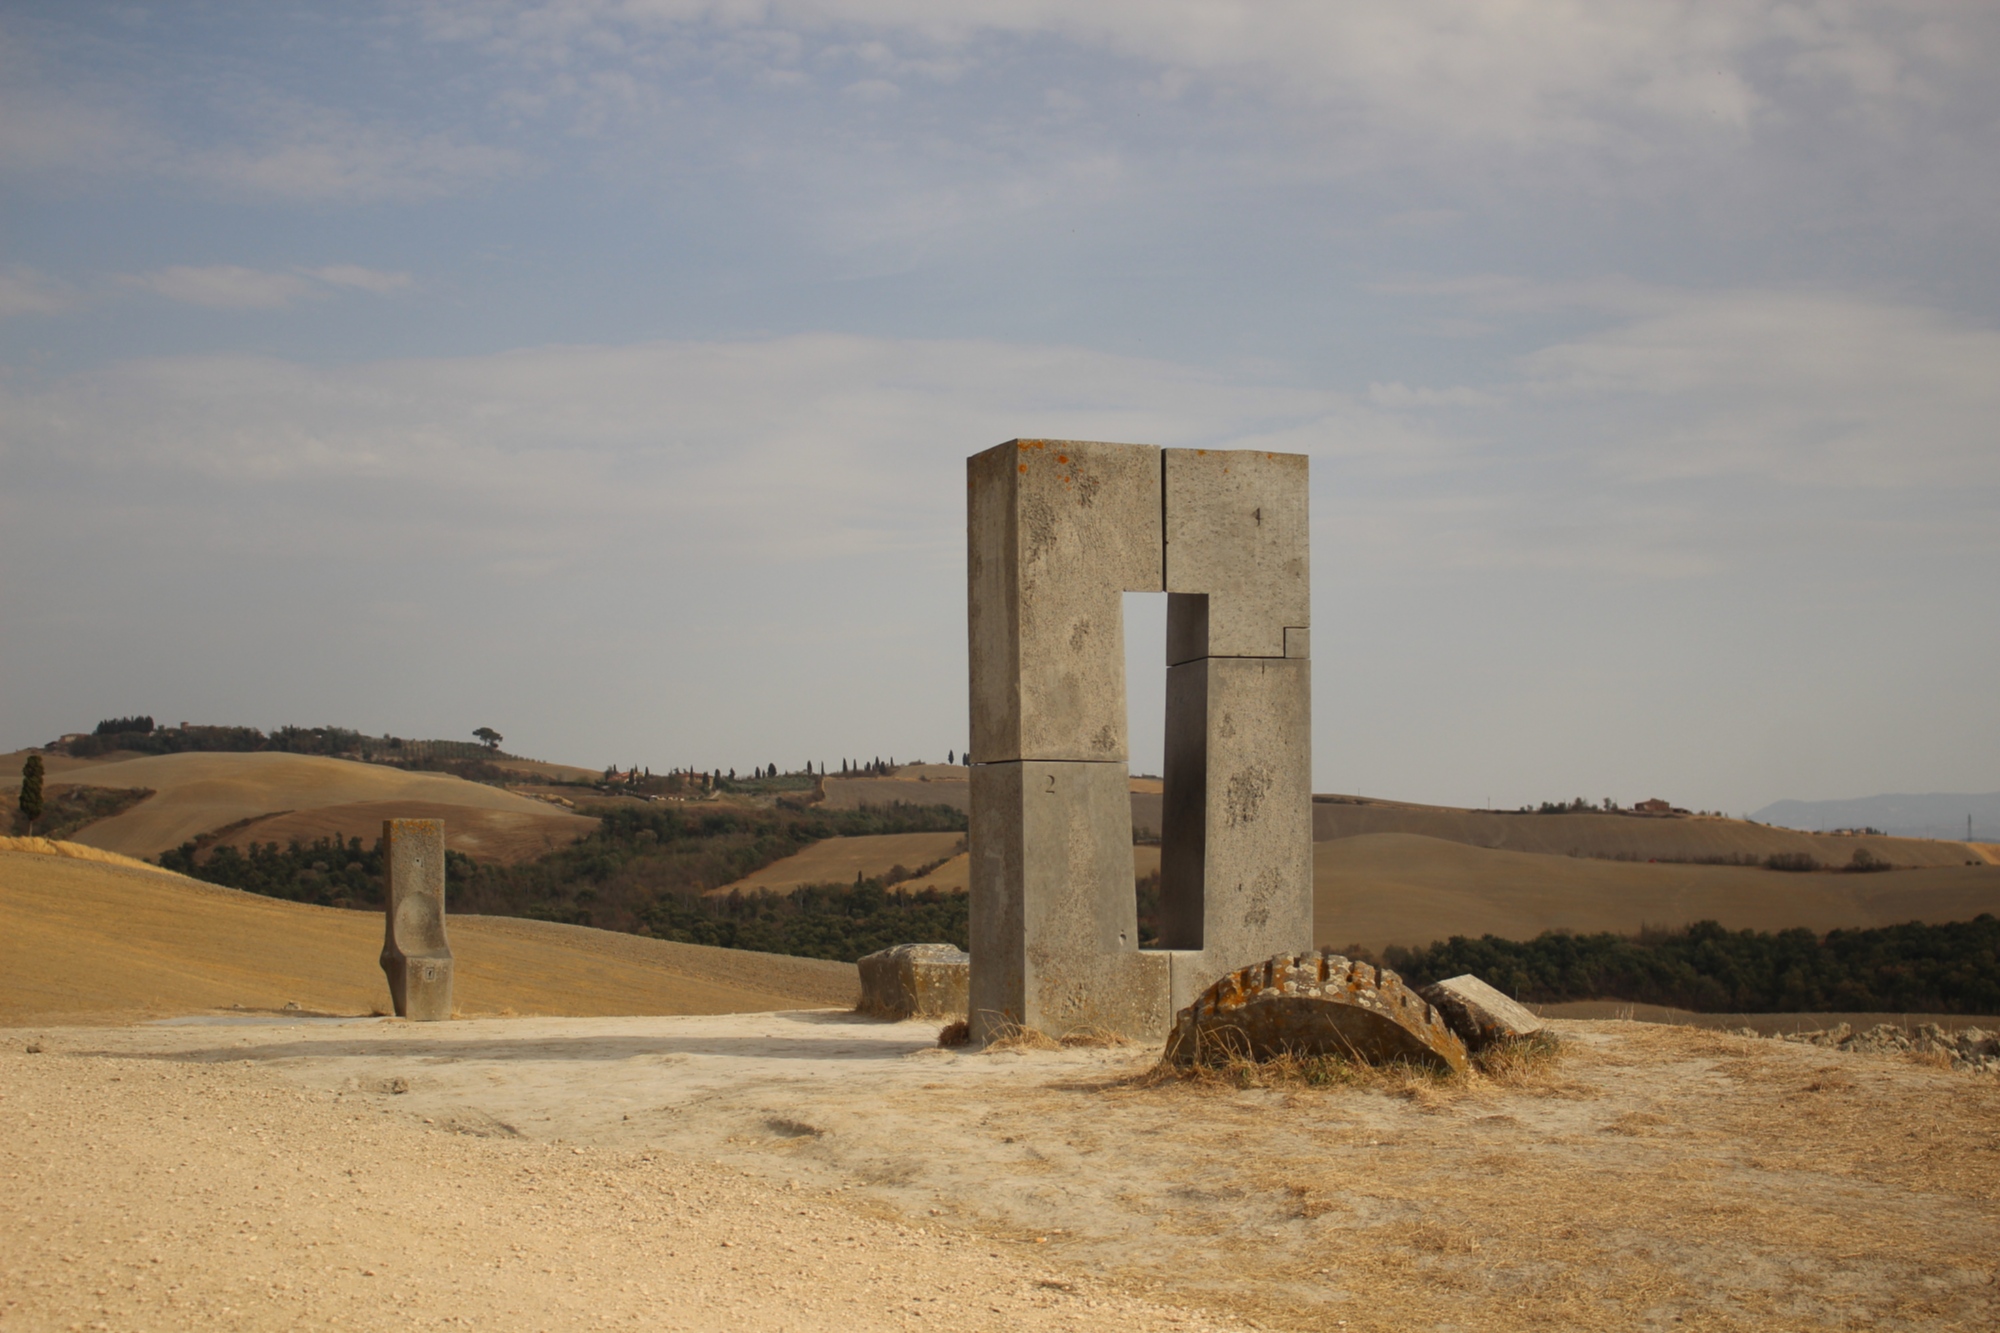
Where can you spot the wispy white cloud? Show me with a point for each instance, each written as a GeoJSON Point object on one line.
{"type": "Point", "coordinates": [233, 287]}
{"type": "Point", "coordinates": [24, 291]}
{"type": "Point", "coordinates": [223, 286]}
{"type": "Point", "coordinates": [1813, 387]}
{"type": "Point", "coordinates": [67, 121]}
{"type": "Point", "coordinates": [379, 281]}
{"type": "Point", "coordinates": [1530, 75]}
{"type": "Point", "coordinates": [320, 155]}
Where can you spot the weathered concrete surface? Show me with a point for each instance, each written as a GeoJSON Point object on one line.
{"type": "Point", "coordinates": [1236, 848]}
{"type": "Point", "coordinates": [415, 953]}
{"type": "Point", "coordinates": [1057, 531]}
{"type": "Point", "coordinates": [1314, 1004]}
{"type": "Point", "coordinates": [1479, 1014]}
{"type": "Point", "coordinates": [1237, 549]}
{"type": "Point", "coordinates": [1055, 924]}
{"type": "Point", "coordinates": [915, 981]}
{"type": "Point", "coordinates": [1236, 857]}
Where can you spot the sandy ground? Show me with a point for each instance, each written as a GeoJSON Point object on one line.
{"type": "Point", "coordinates": [79, 937]}
{"type": "Point", "coordinates": [197, 793]}
{"type": "Point", "coordinates": [807, 1169]}
{"type": "Point", "coordinates": [1402, 888]}
{"type": "Point", "coordinates": [154, 1191]}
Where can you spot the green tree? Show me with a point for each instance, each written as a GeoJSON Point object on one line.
{"type": "Point", "coordinates": [488, 737]}
{"type": "Point", "coordinates": [31, 791]}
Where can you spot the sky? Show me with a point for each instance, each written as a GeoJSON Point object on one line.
{"type": "Point", "coordinates": [602, 371]}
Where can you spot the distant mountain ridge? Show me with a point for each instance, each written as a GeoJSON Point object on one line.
{"type": "Point", "coordinates": [1935, 814]}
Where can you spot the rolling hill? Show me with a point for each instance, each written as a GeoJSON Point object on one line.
{"type": "Point", "coordinates": [80, 939]}
{"type": "Point", "coordinates": [1401, 888]}
{"type": "Point", "coordinates": [202, 792]}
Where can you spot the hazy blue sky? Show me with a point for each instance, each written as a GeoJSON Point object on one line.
{"type": "Point", "coordinates": [603, 372]}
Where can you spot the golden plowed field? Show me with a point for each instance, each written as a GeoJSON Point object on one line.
{"type": "Point", "coordinates": [99, 942]}
{"type": "Point", "coordinates": [1402, 888]}
{"type": "Point", "coordinates": [200, 793]}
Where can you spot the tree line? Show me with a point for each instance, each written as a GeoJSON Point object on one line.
{"type": "Point", "coordinates": [644, 870]}
{"type": "Point", "coordinates": [1952, 968]}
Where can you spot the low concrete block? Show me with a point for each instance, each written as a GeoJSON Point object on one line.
{"type": "Point", "coordinates": [1314, 1004]}
{"type": "Point", "coordinates": [1479, 1014]}
{"type": "Point", "coordinates": [415, 953]}
{"type": "Point", "coordinates": [915, 981]}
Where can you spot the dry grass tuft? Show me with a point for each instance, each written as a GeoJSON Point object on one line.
{"type": "Point", "coordinates": [1532, 1065]}
{"type": "Point", "coordinates": [1094, 1037]}
{"type": "Point", "coordinates": [1014, 1037]}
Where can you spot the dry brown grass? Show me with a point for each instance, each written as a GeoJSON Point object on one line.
{"type": "Point", "coordinates": [1015, 1037]}
{"type": "Point", "coordinates": [1532, 1066]}
{"type": "Point", "coordinates": [1669, 1176]}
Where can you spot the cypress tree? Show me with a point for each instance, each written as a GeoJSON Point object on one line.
{"type": "Point", "coordinates": [31, 791]}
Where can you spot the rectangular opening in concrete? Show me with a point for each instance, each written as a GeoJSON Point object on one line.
{"type": "Point", "coordinates": [1145, 728]}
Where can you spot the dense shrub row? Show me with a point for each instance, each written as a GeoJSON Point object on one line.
{"type": "Point", "coordinates": [645, 869]}
{"type": "Point", "coordinates": [1915, 968]}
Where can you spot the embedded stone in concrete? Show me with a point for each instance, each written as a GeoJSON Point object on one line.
{"type": "Point", "coordinates": [915, 981]}
{"type": "Point", "coordinates": [415, 953]}
{"type": "Point", "coordinates": [1479, 1014]}
{"type": "Point", "coordinates": [1057, 531]}
{"type": "Point", "coordinates": [1314, 1004]}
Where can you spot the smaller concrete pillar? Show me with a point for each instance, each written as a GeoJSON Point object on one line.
{"type": "Point", "coordinates": [415, 953]}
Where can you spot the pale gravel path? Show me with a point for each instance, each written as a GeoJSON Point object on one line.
{"type": "Point", "coordinates": [140, 1193]}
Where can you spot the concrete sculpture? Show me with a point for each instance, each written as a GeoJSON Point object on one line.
{"type": "Point", "coordinates": [1057, 532]}
{"type": "Point", "coordinates": [415, 953]}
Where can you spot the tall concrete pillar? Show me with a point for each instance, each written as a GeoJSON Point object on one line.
{"type": "Point", "coordinates": [1236, 823]}
{"type": "Point", "coordinates": [415, 953]}
{"type": "Point", "coordinates": [1057, 531]}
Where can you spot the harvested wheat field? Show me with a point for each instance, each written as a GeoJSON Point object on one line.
{"type": "Point", "coordinates": [504, 836]}
{"type": "Point", "coordinates": [814, 1171]}
{"type": "Point", "coordinates": [1633, 837]}
{"type": "Point", "coordinates": [107, 943]}
{"type": "Point", "coordinates": [200, 792]}
{"type": "Point", "coordinates": [1400, 888]}
{"type": "Point", "coordinates": [839, 860]}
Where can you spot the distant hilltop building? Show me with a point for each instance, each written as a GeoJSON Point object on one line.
{"type": "Point", "coordinates": [1656, 806]}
